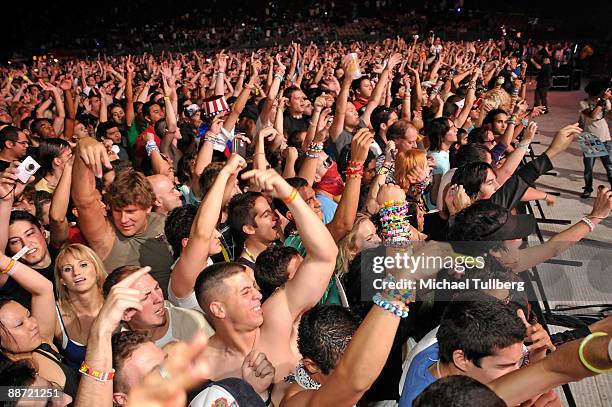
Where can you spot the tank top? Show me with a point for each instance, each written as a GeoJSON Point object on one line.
{"type": "Point", "coordinates": [72, 377]}
{"type": "Point", "coordinates": [73, 352]}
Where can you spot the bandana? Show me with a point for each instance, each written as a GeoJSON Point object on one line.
{"type": "Point", "coordinates": [331, 182]}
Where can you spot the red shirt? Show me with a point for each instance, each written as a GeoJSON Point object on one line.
{"type": "Point", "coordinates": [360, 102]}
{"type": "Point", "coordinates": [139, 147]}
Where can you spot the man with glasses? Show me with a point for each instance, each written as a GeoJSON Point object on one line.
{"type": "Point", "coordinates": [13, 146]}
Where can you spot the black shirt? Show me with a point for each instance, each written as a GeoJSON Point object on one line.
{"type": "Point", "coordinates": [544, 78]}
{"type": "Point", "coordinates": [291, 125]}
{"type": "Point", "coordinates": [11, 289]}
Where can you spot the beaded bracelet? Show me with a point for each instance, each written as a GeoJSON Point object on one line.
{"type": "Point", "coordinates": [400, 311]}
{"type": "Point", "coordinates": [150, 147]}
{"type": "Point", "coordinates": [588, 222]}
{"type": "Point", "coordinates": [279, 77]}
{"type": "Point", "coordinates": [395, 225]}
{"type": "Point", "coordinates": [308, 154]}
{"type": "Point", "coordinates": [406, 295]}
{"type": "Point", "coordinates": [354, 169]}
{"type": "Point", "coordinates": [210, 137]}
{"type": "Point", "coordinates": [317, 147]}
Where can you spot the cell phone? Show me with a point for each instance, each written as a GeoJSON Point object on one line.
{"type": "Point", "coordinates": [239, 147]}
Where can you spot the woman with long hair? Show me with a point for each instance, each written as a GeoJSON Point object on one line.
{"type": "Point", "coordinates": [79, 275]}
{"type": "Point", "coordinates": [27, 334]}
{"type": "Point", "coordinates": [362, 236]}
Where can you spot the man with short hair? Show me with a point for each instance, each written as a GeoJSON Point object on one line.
{"type": "Point", "coordinates": [42, 128]}
{"type": "Point", "coordinates": [13, 146]}
{"type": "Point", "coordinates": [404, 135]}
{"type": "Point", "coordinates": [110, 131]}
{"type": "Point", "coordinates": [131, 234]}
{"type": "Point", "coordinates": [160, 320]}
{"type": "Point", "coordinates": [228, 294]}
{"type": "Point", "coordinates": [254, 224]}
{"type": "Point", "coordinates": [167, 197]}
{"type": "Point", "coordinates": [134, 355]}
{"type": "Point", "coordinates": [362, 88]}
{"type": "Point", "coordinates": [478, 337]}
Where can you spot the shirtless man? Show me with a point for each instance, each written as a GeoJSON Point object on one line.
{"type": "Point", "coordinates": [229, 296]}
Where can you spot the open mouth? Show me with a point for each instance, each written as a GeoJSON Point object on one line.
{"type": "Point", "coordinates": [31, 251]}
{"type": "Point", "coordinates": [160, 312]}
{"type": "Point", "coordinates": [79, 280]}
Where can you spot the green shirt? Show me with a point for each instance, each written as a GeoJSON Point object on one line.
{"type": "Point", "coordinates": [332, 293]}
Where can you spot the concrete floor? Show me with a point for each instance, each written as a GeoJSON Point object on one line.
{"type": "Point", "coordinates": [591, 282]}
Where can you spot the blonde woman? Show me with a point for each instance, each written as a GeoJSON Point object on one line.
{"type": "Point", "coordinates": [79, 275]}
{"type": "Point", "coordinates": [361, 237]}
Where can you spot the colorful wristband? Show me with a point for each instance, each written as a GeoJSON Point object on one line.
{"type": "Point", "coordinates": [291, 197]}
{"type": "Point", "coordinates": [96, 374]}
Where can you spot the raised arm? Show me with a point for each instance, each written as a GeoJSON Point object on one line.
{"type": "Point", "coordinates": [360, 365]}
{"type": "Point", "coordinates": [562, 241]}
{"type": "Point", "coordinates": [560, 367]}
{"type": "Point", "coordinates": [195, 254]}
{"type": "Point", "coordinates": [341, 103]}
{"type": "Point", "coordinates": [99, 353]}
{"type": "Point", "coordinates": [129, 92]}
{"type": "Point", "coordinates": [344, 218]}
{"type": "Point", "coordinates": [90, 157]}
{"type": "Point", "coordinates": [58, 223]}
{"type": "Point", "coordinates": [307, 287]}
{"type": "Point", "coordinates": [379, 89]}
{"type": "Point", "coordinates": [240, 103]}
{"type": "Point", "coordinates": [43, 300]}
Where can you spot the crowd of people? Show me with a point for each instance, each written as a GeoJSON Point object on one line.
{"type": "Point", "coordinates": [198, 228]}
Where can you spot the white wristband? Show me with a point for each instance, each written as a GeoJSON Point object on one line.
{"type": "Point", "coordinates": [590, 224]}
{"type": "Point", "coordinates": [20, 253]}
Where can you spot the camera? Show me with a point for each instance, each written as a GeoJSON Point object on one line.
{"type": "Point", "coordinates": [26, 169]}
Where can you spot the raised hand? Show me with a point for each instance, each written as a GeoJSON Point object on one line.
{"type": "Point", "coordinates": [530, 132]}
{"type": "Point", "coordinates": [360, 144]}
{"type": "Point", "coordinates": [537, 336]}
{"type": "Point", "coordinates": [390, 192]}
{"type": "Point", "coordinates": [183, 369]}
{"type": "Point", "coordinates": [269, 181]}
{"type": "Point", "coordinates": [121, 300]}
{"type": "Point", "coordinates": [602, 204]}
{"type": "Point", "coordinates": [563, 139]}
{"type": "Point", "coordinates": [234, 165]}
{"type": "Point", "coordinates": [258, 371]}
{"type": "Point", "coordinates": [457, 199]}
{"type": "Point", "coordinates": [94, 155]}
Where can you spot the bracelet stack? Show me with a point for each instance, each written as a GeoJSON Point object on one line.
{"type": "Point", "coordinates": [395, 225]}
{"type": "Point", "coordinates": [279, 74]}
{"type": "Point", "coordinates": [150, 147]}
{"type": "Point", "coordinates": [399, 310]}
{"type": "Point", "coordinates": [405, 295]}
{"type": "Point", "coordinates": [354, 169]}
{"type": "Point", "coordinates": [314, 149]}
{"type": "Point", "coordinates": [211, 137]}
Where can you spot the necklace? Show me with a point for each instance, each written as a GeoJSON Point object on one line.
{"type": "Point", "coordinates": [248, 253]}
{"type": "Point", "coordinates": [303, 378]}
